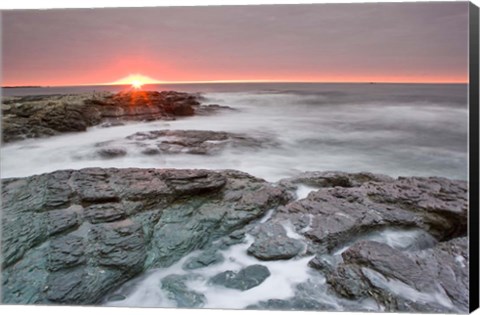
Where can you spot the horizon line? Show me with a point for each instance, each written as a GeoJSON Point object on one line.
{"type": "Point", "coordinates": [236, 81]}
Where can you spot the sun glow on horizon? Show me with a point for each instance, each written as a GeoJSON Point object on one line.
{"type": "Point", "coordinates": [136, 81]}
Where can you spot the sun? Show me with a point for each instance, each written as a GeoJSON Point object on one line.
{"type": "Point", "coordinates": [136, 81]}
{"type": "Point", "coordinates": [137, 84]}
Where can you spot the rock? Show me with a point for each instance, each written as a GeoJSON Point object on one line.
{"type": "Point", "coordinates": [337, 216]}
{"type": "Point", "coordinates": [59, 221]}
{"type": "Point", "coordinates": [206, 110]}
{"type": "Point", "coordinates": [178, 291]}
{"type": "Point", "coordinates": [43, 116]}
{"type": "Point", "coordinates": [120, 245]}
{"type": "Point", "coordinates": [309, 296]}
{"type": "Point", "coordinates": [146, 105]}
{"type": "Point", "coordinates": [400, 280]}
{"type": "Point", "coordinates": [206, 258]}
{"type": "Point", "coordinates": [109, 124]}
{"type": "Point", "coordinates": [333, 179]}
{"type": "Point", "coordinates": [243, 280]}
{"type": "Point", "coordinates": [324, 263]}
{"type": "Point", "coordinates": [236, 237]}
{"type": "Point", "coordinates": [105, 212]}
{"type": "Point", "coordinates": [47, 115]}
{"type": "Point", "coordinates": [441, 203]}
{"type": "Point", "coordinates": [116, 298]}
{"type": "Point", "coordinates": [151, 150]}
{"type": "Point", "coordinates": [70, 237]}
{"type": "Point", "coordinates": [111, 152]}
{"type": "Point", "coordinates": [201, 142]}
{"type": "Point", "coordinates": [271, 243]}
{"type": "Point", "coordinates": [65, 252]}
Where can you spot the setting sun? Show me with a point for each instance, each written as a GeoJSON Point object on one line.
{"type": "Point", "coordinates": [137, 84]}
{"type": "Point", "coordinates": [136, 81]}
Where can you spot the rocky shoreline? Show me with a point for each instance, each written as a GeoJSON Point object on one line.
{"type": "Point", "coordinates": [47, 115]}
{"type": "Point", "coordinates": [75, 236]}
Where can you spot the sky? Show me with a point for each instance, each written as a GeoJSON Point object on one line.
{"type": "Point", "coordinates": [360, 42]}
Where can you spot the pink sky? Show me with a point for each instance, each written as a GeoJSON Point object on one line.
{"type": "Point", "coordinates": [386, 42]}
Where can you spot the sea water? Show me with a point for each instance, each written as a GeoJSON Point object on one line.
{"type": "Point", "coordinates": [398, 130]}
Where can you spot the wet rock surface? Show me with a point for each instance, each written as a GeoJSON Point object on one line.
{"type": "Point", "coordinates": [48, 115]}
{"type": "Point", "coordinates": [197, 142]}
{"type": "Point", "coordinates": [70, 237]}
{"type": "Point", "coordinates": [335, 216]}
{"type": "Point", "coordinates": [202, 142]}
{"type": "Point", "coordinates": [272, 243]}
{"type": "Point", "coordinates": [242, 280]}
{"type": "Point", "coordinates": [211, 109]}
{"type": "Point", "coordinates": [308, 297]}
{"type": "Point", "coordinates": [413, 281]}
{"type": "Point", "coordinates": [178, 291]}
{"type": "Point", "coordinates": [207, 258]}
{"type": "Point", "coordinates": [398, 244]}
{"type": "Point", "coordinates": [333, 179]}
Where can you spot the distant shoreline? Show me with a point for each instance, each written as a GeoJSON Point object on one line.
{"type": "Point", "coordinates": [246, 82]}
{"type": "Point", "coordinates": [24, 87]}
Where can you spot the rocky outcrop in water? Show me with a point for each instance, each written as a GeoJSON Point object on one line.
{"type": "Point", "coordinates": [47, 115]}
{"type": "Point", "coordinates": [242, 280]}
{"type": "Point", "coordinates": [72, 236]}
{"type": "Point", "coordinates": [333, 217]}
{"type": "Point", "coordinates": [178, 291]}
{"type": "Point", "coordinates": [69, 237]}
{"type": "Point", "coordinates": [272, 243]}
{"type": "Point", "coordinates": [199, 142]}
{"type": "Point", "coordinates": [208, 257]}
{"type": "Point", "coordinates": [434, 279]}
{"type": "Point", "coordinates": [351, 213]}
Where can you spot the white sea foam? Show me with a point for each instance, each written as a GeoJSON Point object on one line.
{"type": "Point", "coordinates": [402, 239]}
{"type": "Point", "coordinates": [303, 191]}
{"type": "Point", "coordinates": [285, 275]}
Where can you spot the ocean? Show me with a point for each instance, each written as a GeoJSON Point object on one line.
{"type": "Point", "coordinates": [393, 129]}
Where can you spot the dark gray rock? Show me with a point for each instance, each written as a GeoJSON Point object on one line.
{"type": "Point", "coordinates": [234, 238]}
{"type": "Point", "coordinates": [206, 258]}
{"type": "Point", "coordinates": [434, 279]}
{"type": "Point", "coordinates": [324, 263]}
{"type": "Point", "coordinates": [116, 298]}
{"type": "Point", "coordinates": [150, 150]}
{"type": "Point", "coordinates": [105, 212]}
{"type": "Point", "coordinates": [339, 215]}
{"type": "Point", "coordinates": [70, 237]}
{"type": "Point", "coordinates": [66, 252]}
{"type": "Point", "coordinates": [211, 109]}
{"type": "Point", "coordinates": [119, 245]}
{"type": "Point", "coordinates": [111, 152]}
{"type": "Point", "coordinates": [47, 115]}
{"type": "Point", "coordinates": [271, 243]}
{"type": "Point", "coordinates": [203, 142]}
{"type": "Point", "coordinates": [308, 297]}
{"type": "Point", "coordinates": [59, 221]}
{"type": "Point", "coordinates": [243, 280]}
{"type": "Point", "coordinates": [177, 291]}
{"type": "Point", "coordinates": [333, 179]}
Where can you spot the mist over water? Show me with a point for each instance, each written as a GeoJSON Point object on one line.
{"type": "Point", "coordinates": [398, 130]}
